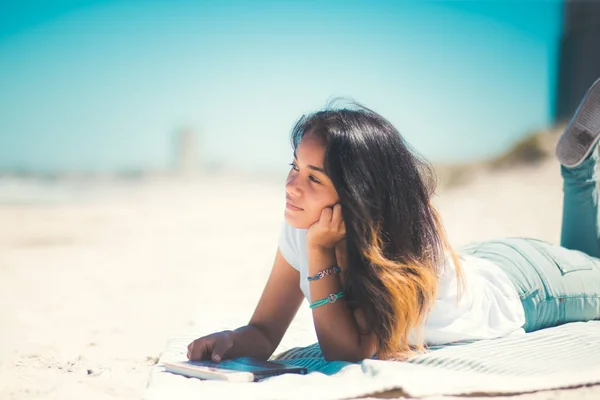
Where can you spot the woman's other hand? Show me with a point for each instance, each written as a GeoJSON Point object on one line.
{"type": "Point", "coordinates": [214, 346]}
{"type": "Point", "coordinates": [329, 230]}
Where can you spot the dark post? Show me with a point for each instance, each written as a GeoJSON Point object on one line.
{"type": "Point", "coordinates": [579, 55]}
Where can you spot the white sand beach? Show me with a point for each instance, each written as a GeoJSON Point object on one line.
{"type": "Point", "coordinates": [97, 277]}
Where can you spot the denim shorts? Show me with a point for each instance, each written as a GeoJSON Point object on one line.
{"type": "Point", "coordinates": [556, 285]}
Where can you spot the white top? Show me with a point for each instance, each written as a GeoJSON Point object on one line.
{"type": "Point", "coordinates": [489, 306]}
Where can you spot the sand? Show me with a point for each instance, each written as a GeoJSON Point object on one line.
{"type": "Point", "coordinates": [94, 277]}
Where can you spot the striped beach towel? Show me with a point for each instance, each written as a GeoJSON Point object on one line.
{"type": "Point", "coordinates": [570, 347]}
{"type": "Point", "coordinates": [559, 357]}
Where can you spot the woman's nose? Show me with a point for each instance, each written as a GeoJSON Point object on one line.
{"type": "Point", "coordinates": [292, 187]}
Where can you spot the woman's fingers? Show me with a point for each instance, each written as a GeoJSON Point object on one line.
{"type": "Point", "coordinates": [199, 348]}
{"type": "Point", "coordinates": [329, 229]}
{"type": "Point", "coordinates": [326, 216]}
{"type": "Point", "coordinates": [213, 346]}
{"type": "Point", "coordinates": [336, 217]}
{"type": "Point", "coordinates": [221, 347]}
{"type": "Point", "coordinates": [189, 349]}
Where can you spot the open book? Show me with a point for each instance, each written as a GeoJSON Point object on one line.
{"type": "Point", "coordinates": [243, 369]}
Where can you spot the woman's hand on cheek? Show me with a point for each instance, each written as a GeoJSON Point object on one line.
{"type": "Point", "coordinates": [328, 230]}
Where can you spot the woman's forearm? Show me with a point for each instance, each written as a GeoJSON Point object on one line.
{"type": "Point", "coordinates": [251, 341]}
{"type": "Point", "coordinates": [335, 325]}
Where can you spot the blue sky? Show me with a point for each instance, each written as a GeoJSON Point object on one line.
{"type": "Point", "coordinates": [102, 85]}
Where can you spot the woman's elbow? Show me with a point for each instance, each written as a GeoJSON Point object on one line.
{"type": "Point", "coordinates": [351, 352]}
{"type": "Point", "coordinates": [354, 356]}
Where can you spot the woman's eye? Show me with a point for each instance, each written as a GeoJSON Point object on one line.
{"type": "Point", "coordinates": [312, 178]}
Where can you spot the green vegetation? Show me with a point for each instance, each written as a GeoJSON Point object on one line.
{"type": "Point", "coordinates": [531, 150]}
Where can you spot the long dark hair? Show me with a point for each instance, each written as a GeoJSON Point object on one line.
{"type": "Point", "coordinates": [394, 237]}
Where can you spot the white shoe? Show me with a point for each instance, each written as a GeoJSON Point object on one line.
{"type": "Point", "coordinates": [580, 136]}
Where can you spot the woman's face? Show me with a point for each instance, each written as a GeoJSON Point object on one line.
{"type": "Point", "coordinates": [308, 189]}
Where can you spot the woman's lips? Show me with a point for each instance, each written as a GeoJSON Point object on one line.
{"type": "Point", "coordinates": [292, 207]}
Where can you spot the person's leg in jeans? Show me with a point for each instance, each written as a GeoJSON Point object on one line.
{"type": "Point", "coordinates": [581, 221]}
{"type": "Point", "coordinates": [576, 151]}
{"type": "Point", "coordinates": [573, 274]}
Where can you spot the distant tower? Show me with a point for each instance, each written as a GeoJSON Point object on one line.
{"type": "Point", "coordinates": [187, 158]}
{"type": "Point", "coordinates": [579, 57]}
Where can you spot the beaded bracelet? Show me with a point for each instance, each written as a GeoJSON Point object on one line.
{"type": "Point", "coordinates": [332, 298]}
{"type": "Point", "coordinates": [325, 272]}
